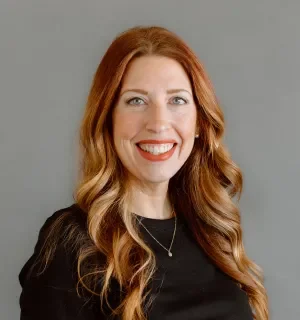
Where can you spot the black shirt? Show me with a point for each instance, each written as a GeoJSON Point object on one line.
{"type": "Point", "coordinates": [187, 285]}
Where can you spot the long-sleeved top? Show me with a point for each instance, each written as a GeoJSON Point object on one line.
{"type": "Point", "coordinates": [187, 285]}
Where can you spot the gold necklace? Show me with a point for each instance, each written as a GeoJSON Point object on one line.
{"type": "Point", "coordinates": [168, 250]}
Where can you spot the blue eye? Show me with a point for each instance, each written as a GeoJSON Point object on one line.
{"type": "Point", "coordinates": [135, 101]}
{"type": "Point", "coordinates": [180, 100]}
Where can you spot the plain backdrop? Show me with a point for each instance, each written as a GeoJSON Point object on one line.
{"type": "Point", "coordinates": [49, 51]}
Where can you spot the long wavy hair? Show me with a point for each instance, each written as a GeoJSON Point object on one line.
{"type": "Point", "coordinates": [202, 191]}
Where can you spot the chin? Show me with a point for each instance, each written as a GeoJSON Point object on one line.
{"type": "Point", "coordinates": [156, 181]}
{"type": "Point", "coordinates": [156, 178]}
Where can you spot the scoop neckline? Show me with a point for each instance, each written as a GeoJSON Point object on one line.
{"type": "Point", "coordinates": [158, 224]}
{"type": "Point", "coordinates": [143, 218]}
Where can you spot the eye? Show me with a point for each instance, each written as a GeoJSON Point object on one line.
{"type": "Point", "coordinates": [179, 100]}
{"type": "Point", "coordinates": [135, 101]}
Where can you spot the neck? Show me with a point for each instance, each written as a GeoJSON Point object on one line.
{"type": "Point", "coordinates": [151, 203]}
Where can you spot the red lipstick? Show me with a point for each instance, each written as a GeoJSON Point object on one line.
{"type": "Point", "coordinates": [153, 157]}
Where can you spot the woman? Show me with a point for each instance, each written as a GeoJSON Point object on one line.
{"type": "Point", "coordinates": [154, 232]}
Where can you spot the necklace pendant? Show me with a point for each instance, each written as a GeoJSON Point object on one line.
{"type": "Point", "coordinates": [170, 254]}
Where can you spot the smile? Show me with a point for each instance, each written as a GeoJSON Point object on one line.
{"type": "Point", "coordinates": [156, 152]}
{"type": "Point", "coordinates": [156, 148]}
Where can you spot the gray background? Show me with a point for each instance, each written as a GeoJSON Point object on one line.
{"type": "Point", "coordinates": [49, 51]}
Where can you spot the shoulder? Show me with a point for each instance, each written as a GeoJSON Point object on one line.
{"type": "Point", "coordinates": [52, 235]}
{"type": "Point", "coordinates": [50, 292]}
{"type": "Point", "coordinates": [63, 217]}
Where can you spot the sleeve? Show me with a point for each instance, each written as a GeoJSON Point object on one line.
{"type": "Point", "coordinates": [52, 295]}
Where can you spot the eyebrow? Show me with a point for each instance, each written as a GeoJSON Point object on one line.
{"type": "Point", "coordinates": [146, 92]}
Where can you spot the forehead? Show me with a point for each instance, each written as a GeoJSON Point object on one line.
{"type": "Point", "coordinates": [155, 72]}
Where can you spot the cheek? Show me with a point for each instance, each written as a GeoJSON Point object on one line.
{"type": "Point", "coordinates": [187, 125]}
{"type": "Point", "coordinates": [125, 126]}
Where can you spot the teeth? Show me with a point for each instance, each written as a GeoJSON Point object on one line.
{"type": "Point", "coordinates": [157, 148]}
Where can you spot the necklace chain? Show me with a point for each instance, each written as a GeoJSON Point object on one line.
{"type": "Point", "coordinates": [168, 250]}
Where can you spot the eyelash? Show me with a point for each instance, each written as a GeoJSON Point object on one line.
{"type": "Point", "coordinates": [128, 101]}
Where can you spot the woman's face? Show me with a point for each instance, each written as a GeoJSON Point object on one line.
{"type": "Point", "coordinates": [155, 112]}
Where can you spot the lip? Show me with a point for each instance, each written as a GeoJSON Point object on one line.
{"type": "Point", "coordinates": [154, 158]}
{"type": "Point", "coordinates": [152, 141]}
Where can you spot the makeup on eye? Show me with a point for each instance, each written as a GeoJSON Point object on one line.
{"type": "Point", "coordinates": [184, 100]}
{"type": "Point", "coordinates": [132, 99]}
{"type": "Point", "coordinates": [181, 98]}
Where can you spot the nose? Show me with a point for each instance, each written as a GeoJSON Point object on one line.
{"type": "Point", "coordinates": [158, 118]}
